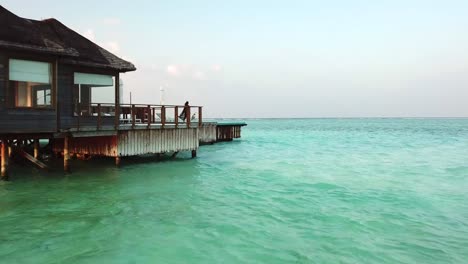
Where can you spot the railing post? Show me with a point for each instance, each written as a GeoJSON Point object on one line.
{"type": "Point", "coordinates": [187, 116]}
{"type": "Point", "coordinates": [163, 116]}
{"type": "Point", "coordinates": [176, 116]}
{"type": "Point", "coordinates": [200, 122]}
{"type": "Point", "coordinates": [148, 112]}
{"type": "Point", "coordinates": [99, 121]}
{"type": "Point", "coordinates": [133, 116]}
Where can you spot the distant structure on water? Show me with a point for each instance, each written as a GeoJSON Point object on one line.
{"type": "Point", "coordinates": [49, 78]}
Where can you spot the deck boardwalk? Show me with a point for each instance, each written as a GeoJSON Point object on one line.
{"type": "Point", "coordinates": [155, 141]}
{"type": "Point", "coordinates": [132, 142]}
{"type": "Point", "coordinates": [228, 131]}
{"type": "Point", "coordinates": [207, 133]}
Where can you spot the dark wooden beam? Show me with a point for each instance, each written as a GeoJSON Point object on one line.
{"type": "Point", "coordinates": [55, 94]}
{"type": "Point", "coordinates": [187, 116]}
{"type": "Point", "coordinates": [32, 159]}
{"type": "Point", "coordinates": [133, 116]}
{"type": "Point", "coordinates": [176, 116]}
{"type": "Point", "coordinates": [163, 116]}
{"type": "Point", "coordinates": [148, 115]}
{"type": "Point", "coordinates": [200, 122]}
{"type": "Point", "coordinates": [117, 100]}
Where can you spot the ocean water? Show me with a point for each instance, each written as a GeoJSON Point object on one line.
{"type": "Point", "coordinates": [289, 191]}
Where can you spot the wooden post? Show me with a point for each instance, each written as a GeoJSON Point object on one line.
{"type": "Point", "coordinates": [36, 148]}
{"type": "Point", "coordinates": [4, 160]}
{"type": "Point", "coordinates": [117, 101]}
{"type": "Point", "coordinates": [133, 116]}
{"type": "Point", "coordinates": [176, 116]}
{"type": "Point", "coordinates": [99, 119]}
{"type": "Point", "coordinates": [10, 149]}
{"type": "Point", "coordinates": [187, 116]}
{"type": "Point", "coordinates": [200, 116]}
{"type": "Point", "coordinates": [55, 94]}
{"type": "Point", "coordinates": [194, 153]}
{"type": "Point", "coordinates": [163, 116]}
{"type": "Point", "coordinates": [148, 113]}
{"type": "Point", "coordinates": [66, 154]}
{"type": "Point", "coordinates": [117, 161]}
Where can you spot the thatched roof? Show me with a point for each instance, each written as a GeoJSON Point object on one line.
{"type": "Point", "coordinates": [49, 36]}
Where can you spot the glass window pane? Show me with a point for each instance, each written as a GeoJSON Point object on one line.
{"type": "Point", "coordinates": [30, 83]}
{"type": "Point", "coordinates": [23, 95]}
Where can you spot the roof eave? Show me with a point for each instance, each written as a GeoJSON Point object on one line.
{"type": "Point", "coordinates": [127, 68]}
{"type": "Point", "coordinates": [38, 49]}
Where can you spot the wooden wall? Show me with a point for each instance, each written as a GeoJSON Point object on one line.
{"type": "Point", "coordinates": [228, 133]}
{"type": "Point", "coordinates": [3, 80]}
{"type": "Point", "coordinates": [207, 133]}
{"type": "Point", "coordinates": [133, 142]}
{"type": "Point", "coordinates": [21, 120]}
{"type": "Point", "coordinates": [14, 120]}
{"type": "Point", "coordinates": [94, 146]}
{"type": "Point", "coordinates": [67, 118]}
{"type": "Point", "coordinates": [150, 141]}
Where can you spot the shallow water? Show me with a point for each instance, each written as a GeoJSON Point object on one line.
{"type": "Point", "coordinates": [290, 191]}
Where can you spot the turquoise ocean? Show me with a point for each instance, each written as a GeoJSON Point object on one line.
{"type": "Point", "coordinates": [289, 191]}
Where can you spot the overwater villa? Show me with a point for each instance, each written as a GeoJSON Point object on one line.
{"type": "Point", "coordinates": [49, 75]}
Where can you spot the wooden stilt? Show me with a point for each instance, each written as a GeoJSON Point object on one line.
{"type": "Point", "coordinates": [117, 161]}
{"type": "Point", "coordinates": [4, 160]}
{"type": "Point", "coordinates": [10, 149]}
{"type": "Point", "coordinates": [66, 154]}
{"type": "Point", "coordinates": [36, 148]}
{"type": "Point", "coordinates": [194, 153]}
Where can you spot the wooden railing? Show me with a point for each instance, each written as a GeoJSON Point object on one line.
{"type": "Point", "coordinates": [137, 115]}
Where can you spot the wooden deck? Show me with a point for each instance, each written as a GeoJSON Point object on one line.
{"type": "Point", "coordinates": [124, 143]}
{"type": "Point", "coordinates": [137, 131]}
{"type": "Point", "coordinates": [228, 131]}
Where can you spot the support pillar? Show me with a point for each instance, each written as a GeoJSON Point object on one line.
{"type": "Point", "coordinates": [194, 153]}
{"type": "Point", "coordinates": [4, 160]}
{"type": "Point", "coordinates": [10, 148]}
{"type": "Point", "coordinates": [66, 154]}
{"type": "Point", "coordinates": [117, 161]}
{"type": "Point", "coordinates": [36, 148]}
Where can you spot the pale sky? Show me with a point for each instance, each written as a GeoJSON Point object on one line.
{"type": "Point", "coordinates": [247, 58]}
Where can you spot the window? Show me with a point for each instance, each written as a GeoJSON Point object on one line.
{"type": "Point", "coordinates": [92, 88]}
{"type": "Point", "coordinates": [30, 84]}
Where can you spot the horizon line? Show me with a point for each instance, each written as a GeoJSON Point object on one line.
{"type": "Point", "coordinates": [349, 117]}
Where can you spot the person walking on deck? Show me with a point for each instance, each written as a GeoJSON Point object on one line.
{"type": "Point", "coordinates": [183, 115]}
